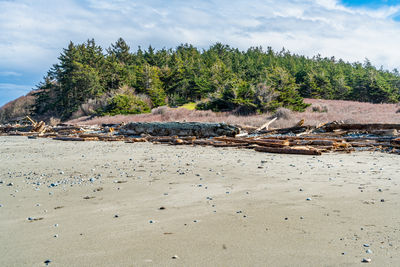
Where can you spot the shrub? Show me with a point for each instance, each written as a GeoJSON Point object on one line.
{"type": "Point", "coordinates": [319, 108]}
{"type": "Point", "coordinates": [126, 104]}
{"type": "Point", "coordinates": [159, 111]}
{"type": "Point", "coordinates": [283, 113]}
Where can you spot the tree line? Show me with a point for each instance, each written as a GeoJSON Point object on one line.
{"type": "Point", "coordinates": [116, 80]}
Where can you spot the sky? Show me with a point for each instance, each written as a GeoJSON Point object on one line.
{"type": "Point", "coordinates": [34, 32]}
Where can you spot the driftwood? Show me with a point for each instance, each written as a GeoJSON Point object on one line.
{"type": "Point", "coordinates": [266, 125]}
{"type": "Point", "coordinates": [291, 150]}
{"type": "Point", "coordinates": [135, 140]}
{"type": "Point", "coordinates": [330, 137]}
{"type": "Point", "coordinates": [356, 126]}
{"type": "Point", "coordinates": [295, 130]}
{"type": "Point", "coordinates": [65, 138]}
{"type": "Point", "coordinates": [260, 142]}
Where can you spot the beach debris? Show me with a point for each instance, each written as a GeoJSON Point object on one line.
{"type": "Point", "coordinates": [47, 262]}
{"type": "Point", "coordinates": [32, 219]}
{"type": "Point", "coordinates": [197, 129]}
{"type": "Point", "coordinates": [175, 257]}
{"type": "Point", "coordinates": [368, 251]}
{"type": "Point", "coordinates": [299, 139]}
{"type": "Point", "coordinates": [308, 199]}
{"type": "Point", "coordinates": [366, 245]}
{"type": "Point", "coordinates": [366, 260]}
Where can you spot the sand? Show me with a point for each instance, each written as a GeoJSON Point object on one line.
{"type": "Point", "coordinates": [219, 206]}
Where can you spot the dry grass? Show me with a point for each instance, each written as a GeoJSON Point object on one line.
{"type": "Point", "coordinates": [347, 111]}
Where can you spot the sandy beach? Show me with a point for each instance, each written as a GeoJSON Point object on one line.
{"type": "Point", "coordinates": [144, 204]}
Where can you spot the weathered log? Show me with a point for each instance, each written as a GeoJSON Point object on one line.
{"type": "Point", "coordinates": [197, 129]}
{"type": "Point", "coordinates": [65, 138]}
{"type": "Point", "coordinates": [222, 144]}
{"type": "Point", "coordinates": [203, 142]}
{"type": "Point", "coordinates": [359, 126]}
{"type": "Point", "coordinates": [162, 139]}
{"type": "Point", "coordinates": [66, 128]}
{"type": "Point", "coordinates": [395, 141]}
{"type": "Point", "coordinates": [295, 130]}
{"type": "Point", "coordinates": [313, 142]}
{"type": "Point", "coordinates": [111, 138]}
{"type": "Point", "coordinates": [261, 142]}
{"type": "Point", "coordinates": [39, 127]}
{"type": "Point", "coordinates": [22, 133]}
{"type": "Point", "coordinates": [270, 143]}
{"type": "Point", "coordinates": [266, 125]}
{"type": "Point", "coordinates": [135, 140]}
{"type": "Point", "coordinates": [231, 139]}
{"type": "Point", "coordinates": [316, 137]}
{"type": "Point", "coordinates": [289, 150]}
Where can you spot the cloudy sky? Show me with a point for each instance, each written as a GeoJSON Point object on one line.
{"type": "Point", "coordinates": [33, 32]}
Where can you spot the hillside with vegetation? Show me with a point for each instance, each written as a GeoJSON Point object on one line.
{"type": "Point", "coordinates": [88, 80]}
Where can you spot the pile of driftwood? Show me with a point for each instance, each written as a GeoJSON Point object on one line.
{"type": "Point", "coordinates": [300, 139]}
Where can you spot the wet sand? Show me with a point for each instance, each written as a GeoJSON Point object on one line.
{"type": "Point", "coordinates": [141, 204]}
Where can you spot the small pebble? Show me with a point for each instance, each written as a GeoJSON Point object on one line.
{"type": "Point", "coordinates": [366, 245]}
{"type": "Point", "coordinates": [301, 217]}
{"type": "Point", "coordinates": [116, 216]}
{"type": "Point", "coordinates": [55, 235]}
{"type": "Point", "coordinates": [286, 218]}
{"type": "Point", "coordinates": [368, 251]}
{"type": "Point", "coordinates": [47, 262]}
{"type": "Point", "coordinates": [366, 260]}
{"type": "Point", "coordinates": [151, 221]}
{"type": "Point", "coordinates": [308, 199]}
{"type": "Point", "coordinates": [382, 200]}
{"type": "Point", "coordinates": [175, 257]}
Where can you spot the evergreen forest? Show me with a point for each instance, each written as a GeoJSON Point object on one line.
{"type": "Point", "coordinates": [88, 80]}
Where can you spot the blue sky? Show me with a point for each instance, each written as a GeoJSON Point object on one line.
{"type": "Point", "coordinates": [33, 33]}
{"type": "Point", "coordinates": [370, 3]}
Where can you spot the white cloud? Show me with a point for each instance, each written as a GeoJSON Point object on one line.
{"type": "Point", "coordinates": [32, 33]}
{"type": "Point", "coordinates": [9, 73]}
